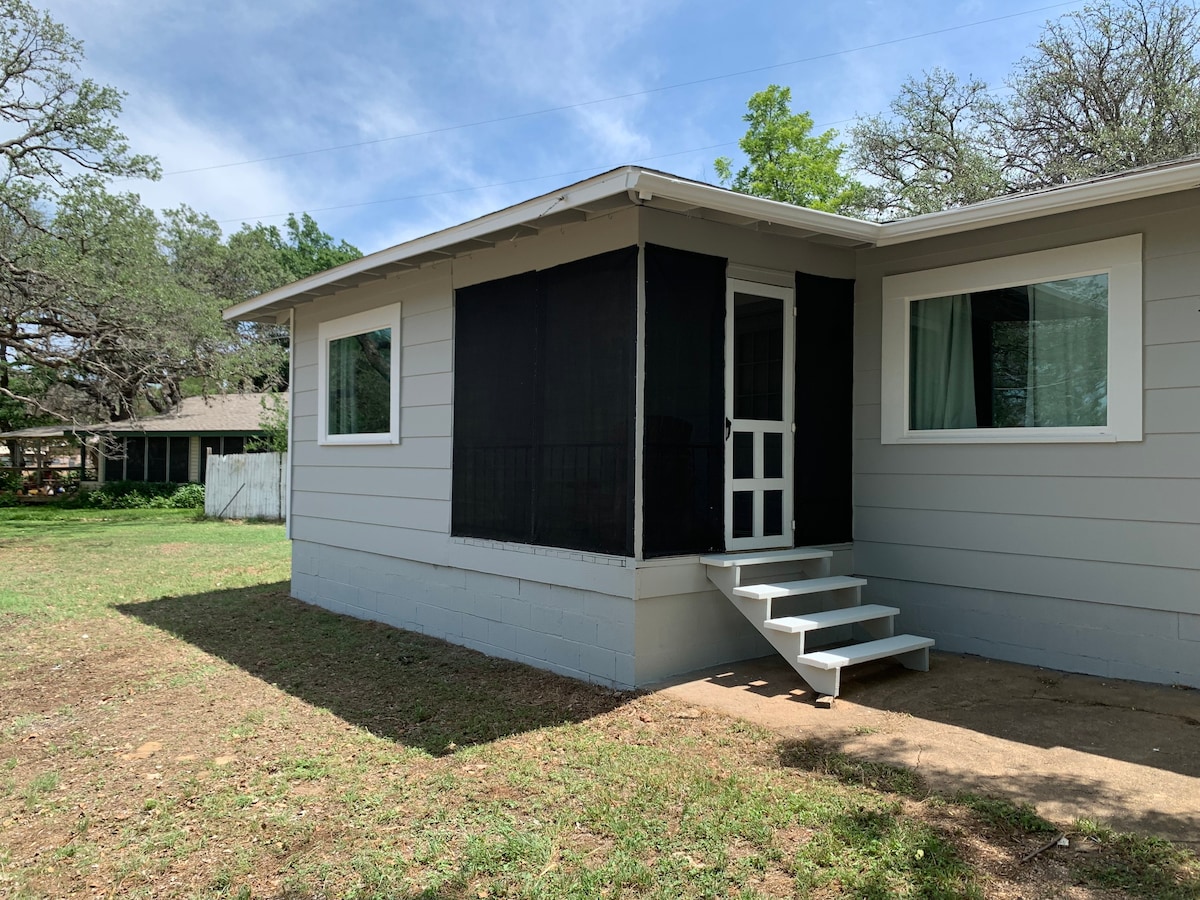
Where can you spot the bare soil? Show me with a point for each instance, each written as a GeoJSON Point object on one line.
{"type": "Point", "coordinates": [1122, 753]}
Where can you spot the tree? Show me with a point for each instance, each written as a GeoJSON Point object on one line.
{"type": "Point", "coordinates": [934, 152]}
{"type": "Point", "coordinates": [785, 161]}
{"type": "Point", "coordinates": [106, 311]}
{"type": "Point", "coordinates": [59, 145]}
{"type": "Point", "coordinates": [1109, 87]}
{"type": "Point", "coordinates": [308, 249]}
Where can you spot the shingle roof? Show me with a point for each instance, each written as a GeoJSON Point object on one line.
{"type": "Point", "coordinates": [221, 413]}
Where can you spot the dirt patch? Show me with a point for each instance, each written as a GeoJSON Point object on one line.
{"type": "Point", "coordinates": [1073, 746]}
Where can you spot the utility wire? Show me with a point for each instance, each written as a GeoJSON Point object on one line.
{"type": "Point", "coordinates": [615, 97]}
{"type": "Point", "coordinates": [480, 187]}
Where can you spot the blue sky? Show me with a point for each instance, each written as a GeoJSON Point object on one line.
{"type": "Point", "coordinates": [214, 84]}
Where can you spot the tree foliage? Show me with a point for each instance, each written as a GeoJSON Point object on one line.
{"type": "Point", "coordinates": [307, 249]}
{"type": "Point", "coordinates": [785, 161]}
{"type": "Point", "coordinates": [106, 309]}
{"type": "Point", "coordinates": [934, 150]}
{"type": "Point", "coordinates": [1109, 87]}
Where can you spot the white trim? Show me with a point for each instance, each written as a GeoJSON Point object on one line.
{"type": "Point", "coordinates": [639, 409]}
{"type": "Point", "coordinates": [291, 432]}
{"type": "Point", "coordinates": [1068, 198]}
{"type": "Point", "coordinates": [347, 326]}
{"type": "Point", "coordinates": [644, 186]}
{"type": "Point", "coordinates": [1119, 258]}
{"type": "Point", "coordinates": [785, 426]}
{"type": "Point", "coordinates": [759, 275]}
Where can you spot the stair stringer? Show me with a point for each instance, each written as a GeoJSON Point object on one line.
{"type": "Point", "coordinates": [819, 676]}
{"type": "Point", "coordinates": [789, 646]}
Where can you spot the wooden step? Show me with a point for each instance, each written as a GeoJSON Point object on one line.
{"type": "Point", "coordinates": [830, 618]}
{"type": "Point", "coordinates": [798, 588]}
{"type": "Point", "coordinates": [762, 557]}
{"type": "Point", "coordinates": [860, 653]}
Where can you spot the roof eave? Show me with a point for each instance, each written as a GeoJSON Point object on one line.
{"type": "Point", "coordinates": [638, 185]}
{"type": "Point", "coordinates": [346, 275]}
{"type": "Point", "coordinates": [1069, 198]}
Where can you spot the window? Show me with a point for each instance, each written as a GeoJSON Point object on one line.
{"type": "Point", "coordinates": [1043, 346]}
{"type": "Point", "coordinates": [358, 374]}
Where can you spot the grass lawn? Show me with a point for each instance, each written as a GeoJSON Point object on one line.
{"type": "Point", "coordinates": [173, 725]}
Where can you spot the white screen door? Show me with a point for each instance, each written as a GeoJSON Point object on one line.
{"type": "Point", "coordinates": [759, 375]}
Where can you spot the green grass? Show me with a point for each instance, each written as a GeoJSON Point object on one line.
{"type": "Point", "coordinates": [175, 726]}
{"type": "Point", "coordinates": [64, 564]}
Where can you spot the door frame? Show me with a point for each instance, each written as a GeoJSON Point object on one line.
{"type": "Point", "coordinates": [786, 426]}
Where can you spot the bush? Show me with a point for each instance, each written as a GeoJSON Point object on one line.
{"type": "Point", "coordinates": [10, 480]}
{"type": "Point", "coordinates": [143, 495]}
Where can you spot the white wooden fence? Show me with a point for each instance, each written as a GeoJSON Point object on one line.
{"type": "Point", "coordinates": [246, 486]}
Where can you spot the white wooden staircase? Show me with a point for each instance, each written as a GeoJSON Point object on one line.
{"type": "Point", "coordinates": [790, 634]}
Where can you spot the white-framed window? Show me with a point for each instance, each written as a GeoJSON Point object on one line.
{"type": "Point", "coordinates": [1038, 347]}
{"type": "Point", "coordinates": [358, 378]}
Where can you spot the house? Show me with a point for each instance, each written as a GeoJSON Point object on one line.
{"type": "Point", "coordinates": [173, 447]}
{"type": "Point", "coordinates": [642, 425]}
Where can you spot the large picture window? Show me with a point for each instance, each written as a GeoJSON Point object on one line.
{"type": "Point", "coordinates": [1043, 346]}
{"type": "Point", "coordinates": [359, 378]}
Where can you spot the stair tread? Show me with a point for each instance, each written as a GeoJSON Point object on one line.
{"type": "Point", "coordinates": [830, 618]}
{"type": "Point", "coordinates": [758, 557]}
{"type": "Point", "coordinates": [859, 653]}
{"type": "Point", "coordinates": [798, 588]}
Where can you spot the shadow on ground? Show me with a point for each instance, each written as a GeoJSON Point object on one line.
{"type": "Point", "coordinates": [402, 686]}
{"type": "Point", "coordinates": [1146, 724]}
{"type": "Point", "coordinates": [1075, 746]}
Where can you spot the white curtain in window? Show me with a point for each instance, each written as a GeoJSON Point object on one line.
{"type": "Point", "coordinates": [1068, 352]}
{"type": "Point", "coordinates": [942, 373]}
{"type": "Point", "coordinates": [343, 411]}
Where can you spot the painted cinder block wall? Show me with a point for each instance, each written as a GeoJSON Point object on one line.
{"type": "Point", "coordinates": [1081, 557]}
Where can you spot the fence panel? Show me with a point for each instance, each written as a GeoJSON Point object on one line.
{"type": "Point", "coordinates": [246, 486]}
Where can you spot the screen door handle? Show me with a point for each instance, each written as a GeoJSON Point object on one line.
{"type": "Point", "coordinates": [728, 428]}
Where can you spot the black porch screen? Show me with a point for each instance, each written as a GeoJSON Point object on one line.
{"type": "Point", "coordinates": [824, 404]}
{"type": "Point", "coordinates": [544, 372]}
{"type": "Point", "coordinates": [683, 461]}
{"type": "Point", "coordinates": [179, 460]}
{"type": "Point", "coordinates": [156, 458]}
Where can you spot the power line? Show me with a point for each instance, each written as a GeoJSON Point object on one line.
{"type": "Point", "coordinates": [480, 187]}
{"type": "Point", "coordinates": [615, 97]}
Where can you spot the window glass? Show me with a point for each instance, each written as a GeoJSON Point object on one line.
{"type": "Point", "coordinates": [758, 358]}
{"type": "Point", "coordinates": [1031, 356]}
{"type": "Point", "coordinates": [359, 383]}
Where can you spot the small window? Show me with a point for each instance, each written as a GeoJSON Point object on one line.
{"type": "Point", "coordinates": [359, 378]}
{"type": "Point", "coordinates": [1039, 347]}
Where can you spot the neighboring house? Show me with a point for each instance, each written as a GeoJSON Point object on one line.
{"type": "Point", "coordinates": [173, 447]}
{"type": "Point", "coordinates": [568, 431]}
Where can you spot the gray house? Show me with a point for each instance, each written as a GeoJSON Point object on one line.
{"type": "Point", "coordinates": [642, 425]}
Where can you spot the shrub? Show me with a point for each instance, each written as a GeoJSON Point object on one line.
{"type": "Point", "coordinates": [10, 480]}
{"type": "Point", "coordinates": [144, 495]}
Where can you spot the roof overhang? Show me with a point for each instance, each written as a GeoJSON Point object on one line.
{"type": "Point", "coordinates": [601, 195]}
{"type": "Point", "coordinates": [635, 186]}
{"type": "Point", "coordinates": [1121, 186]}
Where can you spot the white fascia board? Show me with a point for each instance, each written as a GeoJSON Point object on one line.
{"type": "Point", "coordinates": [706, 196]}
{"type": "Point", "coordinates": [1003, 210]}
{"type": "Point", "coordinates": [615, 182]}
